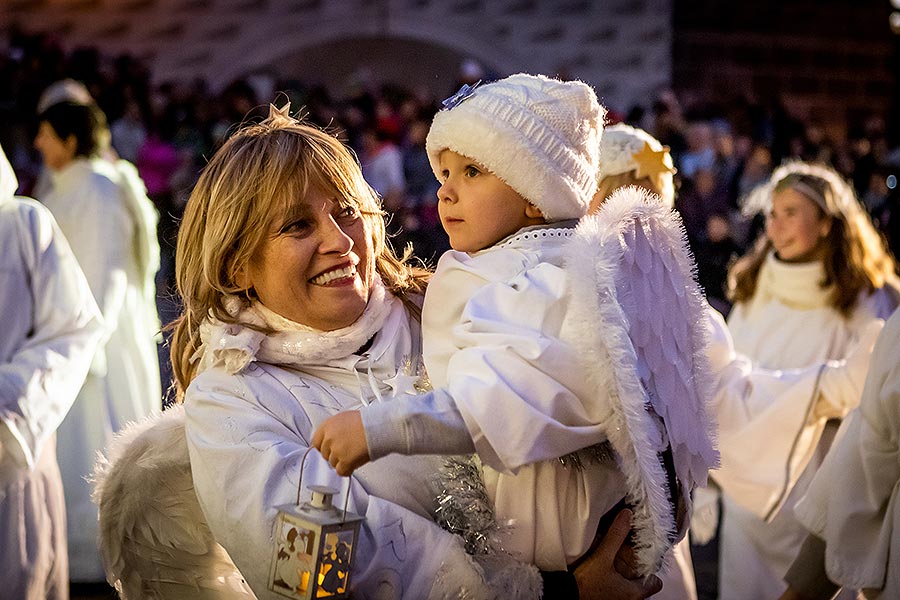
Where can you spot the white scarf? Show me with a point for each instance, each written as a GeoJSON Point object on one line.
{"type": "Point", "coordinates": [234, 346]}
{"type": "Point", "coordinates": [796, 285]}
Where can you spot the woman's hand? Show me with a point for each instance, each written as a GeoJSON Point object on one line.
{"type": "Point", "coordinates": [598, 577]}
{"type": "Point", "coordinates": [341, 440]}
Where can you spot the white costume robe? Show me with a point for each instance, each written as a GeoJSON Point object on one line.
{"type": "Point", "coordinates": [853, 502]}
{"type": "Point", "coordinates": [51, 327]}
{"type": "Point", "coordinates": [787, 324]}
{"type": "Point", "coordinates": [250, 414]}
{"type": "Point", "coordinates": [495, 325]}
{"type": "Point", "coordinates": [102, 209]}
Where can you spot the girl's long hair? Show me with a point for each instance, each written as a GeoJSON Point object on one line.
{"type": "Point", "coordinates": [855, 257]}
{"type": "Point", "coordinates": [248, 181]}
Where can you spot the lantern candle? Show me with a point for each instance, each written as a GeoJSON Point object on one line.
{"type": "Point", "coordinates": [314, 545]}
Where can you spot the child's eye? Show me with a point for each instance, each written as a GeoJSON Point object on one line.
{"type": "Point", "coordinates": [472, 171]}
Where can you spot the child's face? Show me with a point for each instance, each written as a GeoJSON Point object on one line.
{"type": "Point", "coordinates": [478, 209]}
{"type": "Point", "coordinates": [796, 226]}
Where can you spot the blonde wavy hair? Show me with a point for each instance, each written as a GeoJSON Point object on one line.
{"type": "Point", "coordinates": [855, 257]}
{"type": "Point", "coordinates": [248, 182]}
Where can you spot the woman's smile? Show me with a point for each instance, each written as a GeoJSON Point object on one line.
{"type": "Point", "coordinates": [343, 275]}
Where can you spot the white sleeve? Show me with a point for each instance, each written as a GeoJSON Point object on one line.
{"type": "Point", "coordinates": [514, 380]}
{"type": "Point", "coordinates": [103, 246]}
{"type": "Point", "coordinates": [245, 462]}
{"type": "Point", "coordinates": [768, 411]}
{"type": "Point", "coordinates": [39, 383]}
{"type": "Point", "coordinates": [853, 502]}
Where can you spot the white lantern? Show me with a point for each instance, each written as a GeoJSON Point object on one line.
{"type": "Point", "coordinates": [314, 544]}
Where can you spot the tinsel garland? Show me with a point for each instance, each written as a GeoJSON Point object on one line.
{"type": "Point", "coordinates": [463, 506]}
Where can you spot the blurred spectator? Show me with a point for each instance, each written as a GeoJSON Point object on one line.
{"type": "Point", "coordinates": [697, 201]}
{"type": "Point", "coordinates": [700, 153]}
{"type": "Point", "coordinates": [714, 255]}
{"type": "Point", "coordinates": [51, 329]}
{"type": "Point", "coordinates": [422, 225]}
{"type": "Point", "coordinates": [102, 209]}
{"type": "Point", "coordinates": [129, 133]}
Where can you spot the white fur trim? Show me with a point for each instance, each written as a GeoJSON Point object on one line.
{"type": "Point", "coordinates": [153, 536]}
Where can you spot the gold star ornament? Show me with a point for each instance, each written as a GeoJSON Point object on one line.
{"type": "Point", "coordinates": [284, 111]}
{"type": "Point", "coordinates": [650, 162]}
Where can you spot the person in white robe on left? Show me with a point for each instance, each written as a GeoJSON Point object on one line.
{"type": "Point", "coordinates": [102, 208]}
{"type": "Point", "coordinates": [51, 328]}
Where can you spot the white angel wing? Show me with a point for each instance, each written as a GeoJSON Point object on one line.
{"type": "Point", "coordinates": [643, 346]}
{"type": "Point", "coordinates": [153, 536]}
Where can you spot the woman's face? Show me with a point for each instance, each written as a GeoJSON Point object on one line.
{"type": "Point", "coordinates": [316, 265]}
{"type": "Point", "coordinates": [796, 226]}
{"type": "Point", "coordinates": [57, 152]}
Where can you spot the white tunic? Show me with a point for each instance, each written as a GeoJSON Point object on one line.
{"type": "Point", "coordinates": [51, 327]}
{"type": "Point", "coordinates": [495, 325]}
{"type": "Point", "coordinates": [787, 324]}
{"type": "Point", "coordinates": [853, 503]}
{"type": "Point", "coordinates": [110, 224]}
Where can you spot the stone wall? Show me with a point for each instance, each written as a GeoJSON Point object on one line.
{"type": "Point", "coordinates": [622, 47]}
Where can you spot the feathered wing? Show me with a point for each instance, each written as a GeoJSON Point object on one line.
{"type": "Point", "coordinates": [643, 346]}
{"type": "Point", "coordinates": [153, 536]}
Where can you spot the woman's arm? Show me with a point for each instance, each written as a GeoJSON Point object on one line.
{"type": "Point", "coordinates": [246, 446]}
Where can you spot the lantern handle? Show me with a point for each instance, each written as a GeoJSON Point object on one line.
{"type": "Point", "coordinates": [300, 485]}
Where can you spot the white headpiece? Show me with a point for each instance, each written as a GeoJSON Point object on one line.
{"type": "Point", "coordinates": [539, 135]}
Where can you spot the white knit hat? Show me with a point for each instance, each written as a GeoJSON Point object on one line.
{"type": "Point", "coordinates": [539, 135]}
{"type": "Point", "coordinates": [620, 149]}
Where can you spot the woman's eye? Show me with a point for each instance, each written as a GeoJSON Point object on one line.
{"type": "Point", "coordinates": [349, 212]}
{"type": "Point", "coordinates": [298, 226]}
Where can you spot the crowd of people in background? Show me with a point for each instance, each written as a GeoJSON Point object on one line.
{"type": "Point", "coordinates": [169, 130]}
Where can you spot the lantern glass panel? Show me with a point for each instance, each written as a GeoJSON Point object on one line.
{"type": "Point", "coordinates": [334, 563]}
{"type": "Point", "coordinates": [295, 559]}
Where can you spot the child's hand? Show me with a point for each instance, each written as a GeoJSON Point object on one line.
{"type": "Point", "coordinates": [341, 440]}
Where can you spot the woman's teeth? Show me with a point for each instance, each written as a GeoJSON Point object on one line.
{"type": "Point", "coordinates": [330, 276]}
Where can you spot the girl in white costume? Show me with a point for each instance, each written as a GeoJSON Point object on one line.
{"type": "Point", "coordinates": [110, 223]}
{"type": "Point", "coordinates": [51, 328]}
{"type": "Point", "coordinates": [744, 393]}
{"type": "Point", "coordinates": [803, 296]}
{"type": "Point", "coordinates": [509, 336]}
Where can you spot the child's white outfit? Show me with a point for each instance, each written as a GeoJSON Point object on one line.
{"type": "Point", "coordinates": [51, 328]}
{"type": "Point", "coordinates": [548, 342]}
{"type": "Point", "coordinates": [537, 369]}
{"type": "Point", "coordinates": [787, 324]}
{"type": "Point", "coordinates": [495, 325]}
